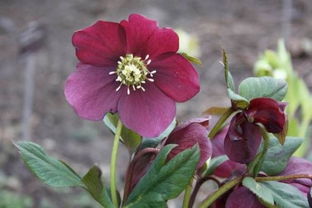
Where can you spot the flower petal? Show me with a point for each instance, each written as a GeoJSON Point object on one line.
{"type": "Point", "coordinates": [176, 77]}
{"type": "Point", "coordinates": [100, 44]}
{"type": "Point", "coordinates": [297, 166]}
{"type": "Point", "coordinates": [242, 140]}
{"type": "Point", "coordinates": [148, 113]}
{"type": "Point", "coordinates": [145, 37]}
{"type": "Point", "coordinates": [242, 197]}
{"type": "Point", "coordinates": [188, 136]}
{"type": "Point", "coordinates": [268, 112]}
{"type": "Point", "coordinates": [91, 92]}
{"type": "Point", "coordinates": [227, 168]}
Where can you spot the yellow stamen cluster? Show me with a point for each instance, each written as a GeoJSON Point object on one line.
{"type": "Point", "coordinates": [132, 71]}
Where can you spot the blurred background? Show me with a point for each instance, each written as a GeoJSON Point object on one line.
{"type": "Point", "coordinates": [36, 56]}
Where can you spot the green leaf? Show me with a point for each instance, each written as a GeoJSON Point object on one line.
{"type": "Point", "coordinates": [285, 195]}
{"type": "Point", "coordinates": [214, 163]}
{"type": "Point", "coordinates": [153, 142]}
{"type": "Point", "coordinates": [237, 100]}
{"type": "Point", "coordinates": [164, 180]}
{"type": "Point", "coordinates": [95, 187]}
{"type": "Point", "coordinates": [191, 58]}
{"type": "Point", "coordinates": [130, 139]}
{"type": "Point", "coordinates": [261, 191]}
{"type": "Point", "coordinates": [278, 155]}
{"type": "Point", "coordinates": [254, 87]}
{"type": "Point", "coordinates": [49, 170]}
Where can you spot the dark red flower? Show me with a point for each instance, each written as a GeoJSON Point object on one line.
{"type": "Point", "coordinates": [244, 135]}
{"type": "Point", "coordinates": [132, 68]}
{"type": "Point", "coordinates": [268, 112]}
{"type": "Point", "coordinates": [189, 134]}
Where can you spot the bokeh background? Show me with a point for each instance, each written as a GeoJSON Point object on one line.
{"type": "Point", "coordinates": [36, 56]}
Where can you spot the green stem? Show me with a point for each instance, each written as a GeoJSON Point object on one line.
{"type": "Point", "coordinates": [113, 165]}
{"type": "Point", "coordinates": [219, 123]}
{"type": "Point", "coordinates": [223, 189]}
{"type": "Point", "coordinates": [187, 195]}
{"type": "Point", "coordinates": [256, 164]}
{"type": "Point", "coordinates": [282, 178]}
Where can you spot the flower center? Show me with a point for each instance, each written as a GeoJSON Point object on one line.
{"type": "Point", "coordinates": [132, 71]}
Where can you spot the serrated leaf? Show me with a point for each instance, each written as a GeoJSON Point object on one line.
{"type": "Point", "coordinates": [95, 187]}
{"type": "Point", "coordinates": [214, 163]}
{"type": "Point", "coordinates": [259, 190]}
{"type": "Point", "coordinates": [153, 142]}
{"type": "Point", "coordinates": [278, 155]}
{"type": "Point", "coordinates": [285, 195]}
{"type": "Point", "coordinates": [254, 87]}
{"type": "Point", "coordinates": [191, 58]}
{"type": "Point", "coordinates": [48, 169]}
{"type": "Point", "coordinates": [164, 180]}
{"type": "Point", "coordinates": [130, 139]}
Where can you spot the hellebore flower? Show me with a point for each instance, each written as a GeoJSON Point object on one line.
{"type": "Point", "coordinates": [132, 68]}
{"type": "Point", "coordinates": [228, 168]}
{"type": "Point", "coordinates": [189, 134]}
{"type": "Point", "coordinates": [244, 135]}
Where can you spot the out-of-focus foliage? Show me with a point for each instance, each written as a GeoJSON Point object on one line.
{"type": "Point", "coordinates": [278, 64]}
{"type": "Point", "coordinates": [9, 198]}
{"type": "Point", "coordinates": [188, 43]}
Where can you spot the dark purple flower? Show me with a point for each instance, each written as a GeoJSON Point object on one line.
{"type": "Point", "coordinates": [132, 68]}
{"type": "Point", "coordinates": [229, 167]}
{"type": "Point", "coordinates": [244, 135]}
{"type": "Point", "coordinates": [297, 166]}
{"type": "Point", "coordinates": [243, 198]}
{"type": "Point", "coordinates": [189, 134]}
{"type": "Point", "coordinates": [242, 140]}
{"type": "Point", "coordinates": [138, 167]}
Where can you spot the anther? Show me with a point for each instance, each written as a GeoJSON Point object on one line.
{"type": "Point", "coordinates": [128, 91]}
{"type": "Point", "coordinates": [146, 57]}
{"type": "Point", "coordinates": [151, 80]}
{"type": "Point", "coordinates": [112, 72]}
{"type": "Point", "coordinates": [148, 62]}
{"type": "Point", "coordinates": [118, 87]}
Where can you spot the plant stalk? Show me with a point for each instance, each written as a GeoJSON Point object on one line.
{"type": "Point", "coordinates": [282, 178]}
{"type": "Point", "coordinates": [187, 195]}
{"type": "Point", "coordinates": [220, 123]}
{"type": "Point", "coordinates": [223, 189]}
{"type": "Point", "coordinates": [113, 172]}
